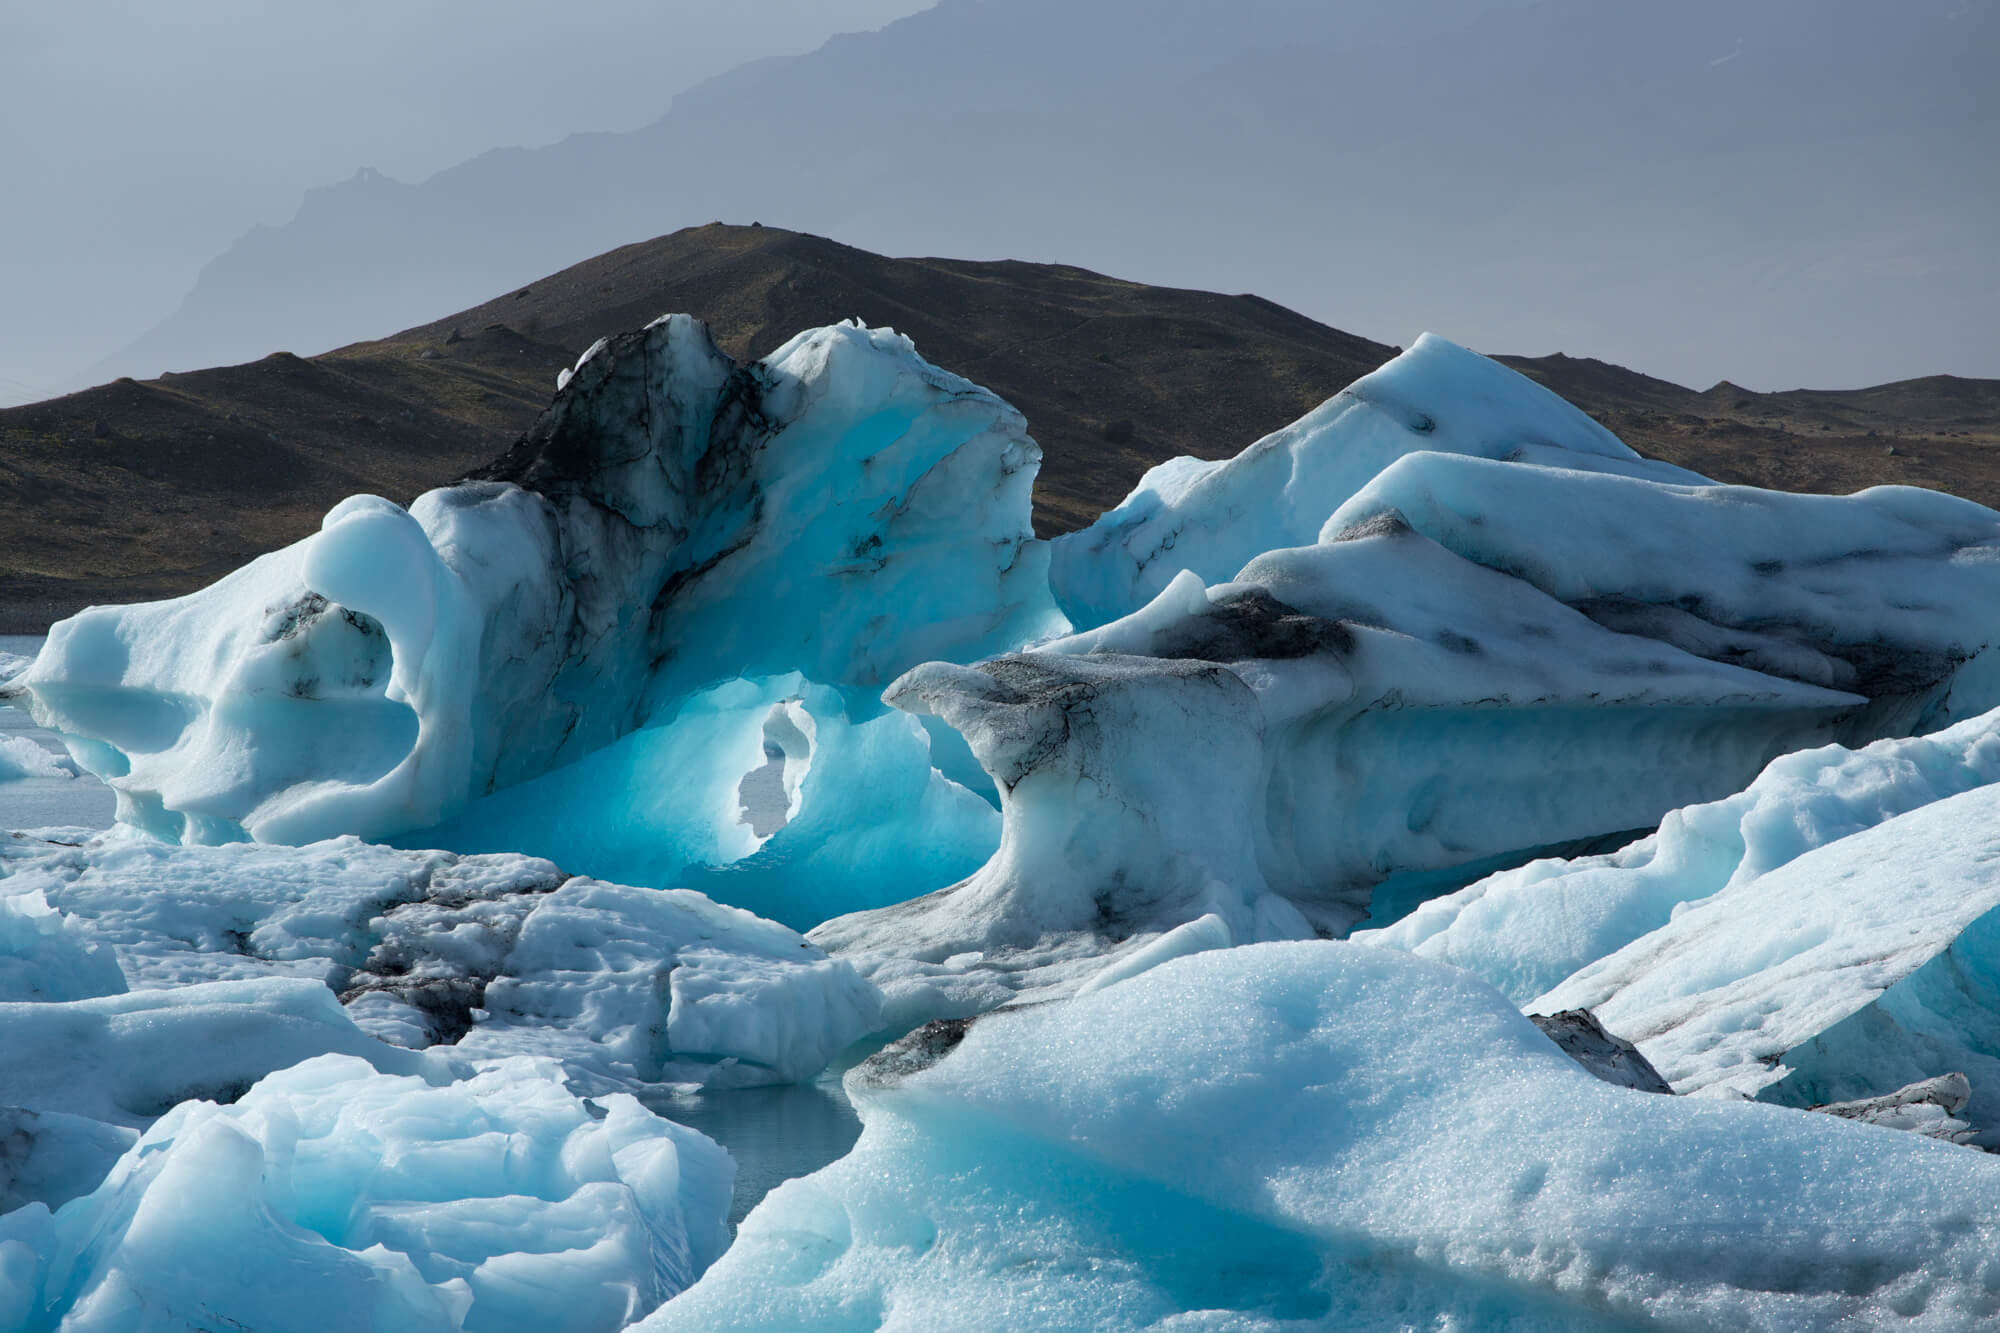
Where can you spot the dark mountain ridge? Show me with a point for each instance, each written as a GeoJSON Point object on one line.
{"type": "Point", "coordinates": [148, 489]}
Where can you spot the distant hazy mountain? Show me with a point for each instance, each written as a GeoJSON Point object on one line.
{"type": "Point", "coordinates": [1786, 191]}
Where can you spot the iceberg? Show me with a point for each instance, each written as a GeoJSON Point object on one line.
{"type": "Point", "coordinates": [673, 522]}
{"type": "Point", "coordinates": [1324, 1135]}
{"type": "Point", "coordinates": [497, 1204]}
{"type": "Point", "coordinates": [1367, 712]}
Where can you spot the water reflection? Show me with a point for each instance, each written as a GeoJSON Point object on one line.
{"type": "Point", "coordinates": [775, 1134]}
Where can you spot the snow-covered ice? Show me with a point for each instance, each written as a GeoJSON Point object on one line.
{"type": "Point", "coordinates": [1215, 517]}
{"type": "Point", "coordinates": [1324, 1135]}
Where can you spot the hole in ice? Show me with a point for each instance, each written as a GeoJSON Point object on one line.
{"type": "Point", "coordinates": [762, 793]}
{"type": "Point", "coordinates": [769, 795]}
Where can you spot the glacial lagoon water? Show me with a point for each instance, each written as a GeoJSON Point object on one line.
{"type": "Point", "coordinates": [35, 803]}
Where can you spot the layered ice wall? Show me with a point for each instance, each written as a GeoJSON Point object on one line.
{"type": "Point", "coordinates": [674, 521]}
{"type": "Point", "coordinates": [1322, 1135]}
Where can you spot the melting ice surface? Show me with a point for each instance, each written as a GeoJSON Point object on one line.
{"type": "Point", "coordinates": [735, 724]}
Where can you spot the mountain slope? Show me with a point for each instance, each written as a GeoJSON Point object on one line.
{"type": "Point", "coordinates": [145, 489]}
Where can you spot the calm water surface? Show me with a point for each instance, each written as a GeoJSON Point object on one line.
{"type": "Point", "coordinates": [34, 803]}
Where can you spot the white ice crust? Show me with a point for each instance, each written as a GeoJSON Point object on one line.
{"type": "Point", "coordinates": [1322, 1135]}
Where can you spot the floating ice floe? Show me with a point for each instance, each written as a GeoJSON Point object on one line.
{"type": "Point", "coordinates": [20, 758]}
{"type": "Point", "coordinates": [332, 1196]}
{"type": "Point", "coordinates": [1323, 1135]}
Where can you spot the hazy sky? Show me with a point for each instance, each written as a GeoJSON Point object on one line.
{"type": "Point", "coordinates": [1783, 192]}
{"type": "Point", "coordinates": [139, 137]}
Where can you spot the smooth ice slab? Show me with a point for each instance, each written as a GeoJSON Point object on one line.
{"type": "Point", "coordinates": [1891, 592]}
{"type": "Point", "coordinates": [1321, 1135]}
{"type": "Point", "coordinates": [333, 1196]}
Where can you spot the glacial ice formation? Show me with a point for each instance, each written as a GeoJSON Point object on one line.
{"type": "Point", "coordinates": [335, 1197]}
{"type": "Point", "coordinates": [1859, 967]}
{"type": "Point", "coordinates": [1524, 930]}
{"type": "Point", "coordinates": [477, 957]}
{"type": "Point", "coordinates": [1440, 625]}
{"type": "Point", "coordinates": [1323, 1135]}
{"type": "Point", "coordinates": [673, 521]}
{"type": "Point", "coordinates": [1215, 517]}
{"type": "Point", "coordinates": [1363, 709]}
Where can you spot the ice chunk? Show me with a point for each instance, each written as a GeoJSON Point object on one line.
{"type": "Point", "coordinates": [499, 954]}
{"type": "Point", "coordinates": [46, 956]}
{"type": "Point", "coordinates": [1523, 930]}
{"type": "Point", "coordinates": [20, 758]}
{"type": "Point", "coordinates": [1929, 1107]}
{"type": "Point", "coordinates": [1858, 968]}
{"type": "Point", "coordinates": [126, 1059]}
{"type": "Point", "coordinates": [1324, 1135]}
{"type": "Point", "coordinates": [334, 1195]}
{"type": "Point", "coordinates": [673, 521]}
{"type": "Point", "coordinates": [647, 986]}
{"type": "Point", "coordinates": [1214, 517]}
